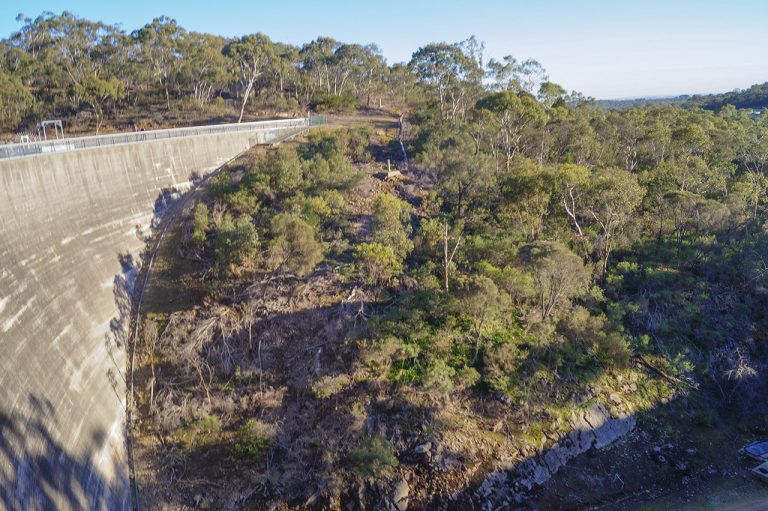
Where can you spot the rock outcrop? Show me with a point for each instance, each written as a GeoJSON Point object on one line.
{"type": "Point", "coordinates": [592, 428]}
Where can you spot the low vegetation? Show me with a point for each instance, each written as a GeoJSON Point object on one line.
{"type": "Point", "coordinates": [540, 255]}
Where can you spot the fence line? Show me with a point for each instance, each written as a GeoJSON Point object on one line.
{"type": "Point", "coordinates": [10, 151]}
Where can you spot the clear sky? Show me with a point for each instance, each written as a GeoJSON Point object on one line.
{"type": "Point", "coordinates": [602, 48]}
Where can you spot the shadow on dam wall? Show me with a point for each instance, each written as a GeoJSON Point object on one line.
{"type": "Point", "coordinates": [49, 476]}
{"type": "Point", "coordinates": [72, 226]}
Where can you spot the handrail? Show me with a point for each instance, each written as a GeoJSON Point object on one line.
{"type": "Point", "coordinates": [20, 150]}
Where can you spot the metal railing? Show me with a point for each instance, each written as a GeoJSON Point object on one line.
{"type": "Point", "coordinates": [9, 151]}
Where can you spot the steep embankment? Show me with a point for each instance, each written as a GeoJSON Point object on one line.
{"type": "Point", "coordinates": [71, 227]}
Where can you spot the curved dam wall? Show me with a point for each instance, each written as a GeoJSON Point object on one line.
{"type": "Point", "coordinates": [71, 229]}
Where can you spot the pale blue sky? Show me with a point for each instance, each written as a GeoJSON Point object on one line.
{"type": "Point", "coordinates": [605, 49]}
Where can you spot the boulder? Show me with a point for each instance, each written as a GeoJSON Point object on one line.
{"type": "Point", "coordinates": [423, 448]}
{"type": "Point", "coordinates": [399, 496]}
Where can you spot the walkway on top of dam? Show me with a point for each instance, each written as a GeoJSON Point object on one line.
{"type": "Point", "coordinates": [24, 149]}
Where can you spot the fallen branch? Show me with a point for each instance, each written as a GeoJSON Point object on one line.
{"type": "Point", "coordinates": [672, 379]}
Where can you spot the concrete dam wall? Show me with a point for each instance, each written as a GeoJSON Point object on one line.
{"type": "Point", "coordinates": [72, 225]}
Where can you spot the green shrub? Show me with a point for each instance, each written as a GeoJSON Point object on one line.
{"type": "Point", "coordinates": [328, 386]}
{"type": "Point", "coordinates": [466, 377]}
{"type": "Point", "coordinates": [377, 264]}
{"type": "Point", "coordinates": [501, 365]}
{"type": "Point", "coordinates": [243, 201]}
{"type": "Point", "coordinates": [220, 185]}
{"type": "Point", "coordinates": [284, 169]}
{"type": "Point", "coordinates": [236, 241]}
{"type": "Point", "coordinates": [439, 377]}
{"type": "Point", "coordinates": [429, 239]}
{"type": "Point", "coordinates": [201, 432]}
{"type": "Point", "coordinates": [254, 439]}
{"type": "Point", "coordinates": [391, 224]}
{"type": "Point", "coordinates": [200, 225]}
{"type": "Point", "coordinates": [373, 456]}
{"type": "Point", "coordinates": [332, 102]}
{"type": "Point", "coordinates": [294, 246]}
{"type": "Point", "coordinates": [357, 143]}
{"type": "Point", "coordinates": [325, 165]}
{"type": "Point", "coordinates": [315, 210]}
{"type": "Point", "coordinates": [210, 424]}
{"type": "Point", "coordinates": [378, 354]}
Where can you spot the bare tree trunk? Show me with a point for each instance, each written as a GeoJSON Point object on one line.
{"type": "Point", "coordinates": [261, 371]}
{"type": "Point", "coordinates": [446, 258]}
{"type": "Point", "coordinates": [167, 97]}
{"type": "Point", "coordinates": [245, 100]}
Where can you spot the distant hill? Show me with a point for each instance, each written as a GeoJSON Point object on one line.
{"type": "Point", "coordinates": [755, 98]}
{"type": "Point", "coordinates": [620, 104]}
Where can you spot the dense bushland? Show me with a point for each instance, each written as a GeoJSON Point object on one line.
{"type": "Point", "coordinates": [540, 254]}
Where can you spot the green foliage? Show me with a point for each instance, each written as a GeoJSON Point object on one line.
{"type": "Point", "coordinates": [466, 377]}
{"type": "Point", "coordinates": [429, 239]}
{"type": "Point", "coordinates": [254, 439]}
{"type": "Point", "coordinates": [15, 100]}
{"type": "Point", "coordinates": [439, 377]}
{"type": "Point", "coordinates": [357, 143]}
{"type": "Point", "coordinates": [96, 91]}
{"type": "Point", "coordinates": [558, 276]}
{"type": "Point", "coordinates": [324, 208]}
{"type": "Point", "coordinates": [481, 302]}
{"type": "Point", "coordinates": [294, 245]}
{"type": "Point", "coordinates": [501, 366]}
{"type": "Point", "coordinates": [324, 163]}
{"type": "Point", "coordinates": [243, 202]}
{"type": "Point", "coordinates": [391, 224]}
{"type": "Point", "coordinates": [377, 264]}
{"type": "Point", "coordinates": [210, 424]}
{"type": "Point", "coordinates": [335, 103]}
{"type": "Point", "coordinates": [200, 225]}
{"type": "Point", "coordinates": [592, 339]}
{"type": "Point", "coordinates": [284, 170]}
{"type": "Point", "coordinates": [373, 456]}
{"type": "Point", "coordinates": [220, 185]}
{"type": "Point", "coordinates": [236, 241]}
{"type": "Point", "coordinates": [201, 432]}
{"type": "Point", "coordinates": [328, 386]}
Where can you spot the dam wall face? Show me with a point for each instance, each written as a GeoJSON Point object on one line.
{"type": "Point", "coordinates": [72, 225]}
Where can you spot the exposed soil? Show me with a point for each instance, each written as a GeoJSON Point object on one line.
{"type": "Point", "coordinates": [270, 339]}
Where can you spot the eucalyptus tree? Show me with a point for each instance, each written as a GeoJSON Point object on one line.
{"type": "Point", "coordinates": [509, 73]}
{"type": "Point", "coordinates": [15, 99]}
{"type": "Point", "coordinates": [317, 59]}
{"type": "Point", "coordinates": [611, 198]}
{"type": "Point", "coordinates": [512, 114]}
{"type": "Point", "coordinates": [160, 43]}
{"type": "Point", "coordinates": [403, 87]}
{"type": "Point", "coordinates": [35, 63]}
{"type": "Point", "coordinates": [286, 69]}
{"type": "Point", "coordinates": [559, 275]}
{"type": "Point", "coordinates": [346, 64]}
{"type": "Point", "coordinates": [368, 69]}
{"type": "Point", "coordinates": [203, 70]}
{"type": "Point", "coordinates": [253, 56]}
{"type": "Point", "coordinates": [73, 61]}
{"type": "Point", "coordinates": [549, 93]}
{"type": "Point", "coordinates": [453, 73]}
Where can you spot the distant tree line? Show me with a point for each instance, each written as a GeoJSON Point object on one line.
{"type": "Point", "coordinates": [755, 97]}
{"type": "Point", "coordinates": [63, 65]}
